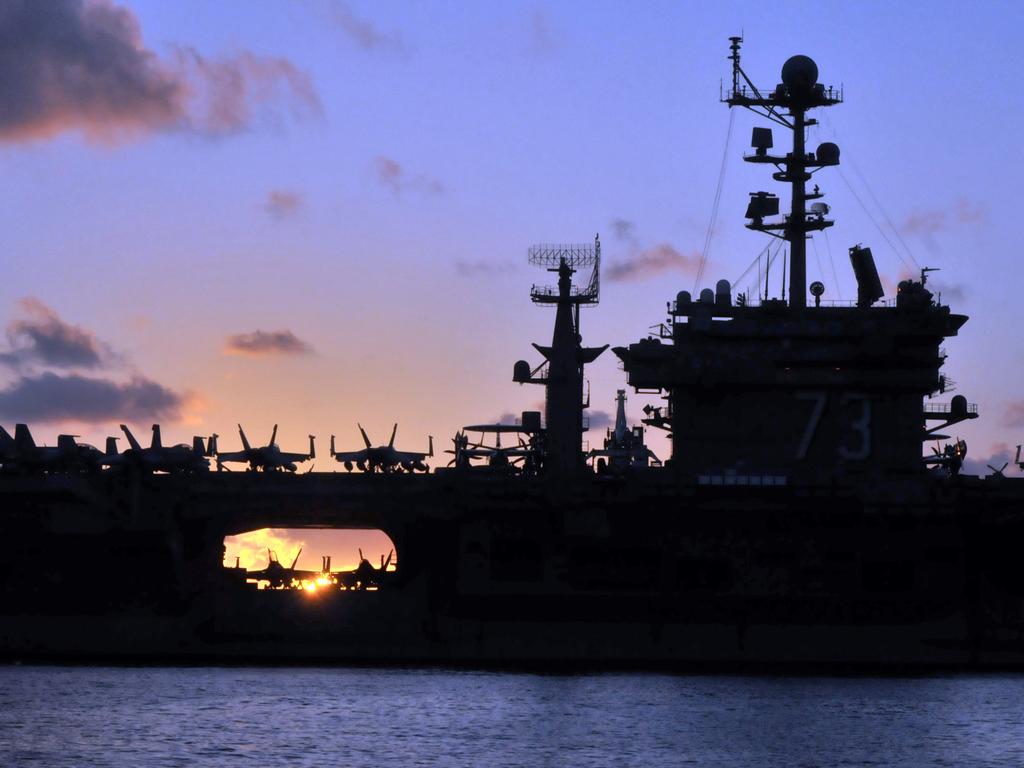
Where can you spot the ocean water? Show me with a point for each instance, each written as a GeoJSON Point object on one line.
{"type": "Point", "coordinates": [329, 718]}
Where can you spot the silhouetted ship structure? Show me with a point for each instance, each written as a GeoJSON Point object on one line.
{"type": "Point", "coordinates": [796, 521]}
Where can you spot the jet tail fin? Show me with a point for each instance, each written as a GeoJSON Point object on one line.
{"type": "Point", "coordinates": [111, 446]}
{"type": "Point", "coordinates": [66, 443]}
{"type": "Point", "coordinates": [391, 442]}
{"type": "Point", "coordinates": [430, 445]}
{"type": "Point", "coordinates": [199, 446]}
{"type": "Point", "coordinates": [273, 436]}
{"type": "Point", "coordinates": [5, 437]}
{"type": "Point", "coordinates": [245, 441]}
{"type": "Point", "coordinates": [23, 438]}
{"type": "Point", "coordinates": [296, 560]}
{"type": "Point", "coordinates": [312, 446]}
{"type": "Point", "coordinates": [363, 433]}
{"type": "Point", "coordinates": [131, 438]}
{"type": "Point", "coordinates": [332, 447]}
{"type": "Point", "coordinates": [156, 441]}
{"type": "Point", "coordinates": [211, 446]}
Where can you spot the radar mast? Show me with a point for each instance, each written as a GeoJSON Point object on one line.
{"type": "Point", "coordinates": [562, 373]}
{"type": "Point", "coordinates": [787, 105]}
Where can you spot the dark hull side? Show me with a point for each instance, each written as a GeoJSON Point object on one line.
{"type": "Point", "coordinates": [644, 571]}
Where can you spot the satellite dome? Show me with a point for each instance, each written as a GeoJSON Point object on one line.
{"type": "Point", "coordinates": [828, 153]}
{"type": "Point", "coordinates": [799, 73]}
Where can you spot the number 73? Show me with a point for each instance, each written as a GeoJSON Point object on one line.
{"type": "Point", "coordinates": [858, 425]}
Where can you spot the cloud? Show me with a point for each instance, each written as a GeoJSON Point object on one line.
{"type": "Point", "coordinates": [600, 419]}
{"type": "Point", "coordinates": [44, 356]}
{"type": "Point", "coordinates": [1014, 414]}
{"type": "Point", "coordinates": [282, 203]}
{"type": "Point", "coordinates": [41, 337]}
{"type": "Point", "coordinates": [948, 291]}
{"type": "Point", "coordinates": [265, 343]}
{"type": "Point", "coordinates": [251, 548]}
{"type": "Point", "coordinates": [226, 95]}
{"type": "Point", "coordinates": [999, 454]}
{"type": "Point", "coordinates": [483, 268]}
{"type": "Point", "coordinates": [624, 230]}
{"type": "Point", "coordinates": [653, 261]}
{"type": "Point", "coordinates": [931, 221]}
{"type": "Point", "coordinates": [364, 33]}
{"type": "Point", "coordinates": [81, 65]}
{"type": "Point", "coordinates": [51, 397]}
{"type": "Point", "coordinates": [391, 175]}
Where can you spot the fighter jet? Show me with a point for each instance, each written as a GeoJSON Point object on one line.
{"type": "Point", "coordinates": [383, 458]}
{"type": "Point", "coordinates": [268, 458]}
{"type": "Point", "coordinates": [158, 458]}
{"type": "Point", "coordinates": [21, 454]}
{"type": "Point", "coordinates": [279, 575]}
{"type": "Point", "coordinates": [7, 446]}
{"type": "Point", "coordinates": [365, 574]}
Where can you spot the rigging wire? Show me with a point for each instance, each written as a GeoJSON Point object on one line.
{"type": "Point", "coordinates": [817, 259]}
{"type": "Point", "coordinates": [878, 203]}
{"type": "Point", "coordinates": [873, 220]}
{"type": "Point", "coordinates": [714, 207]}
{"type": "Point", "coordinates": [821, 271]}
{"type": "Point", "coordinates": [888, 221]}
{"type": "Point", "coordinates": [832, 263]}
{"type": "Point", "coordinates": [778, 243]}
{"type": "Point", "coordinates": [752, 264]}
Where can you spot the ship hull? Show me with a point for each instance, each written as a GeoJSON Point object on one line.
{"type": "Point", "coordinates": [501, 571]}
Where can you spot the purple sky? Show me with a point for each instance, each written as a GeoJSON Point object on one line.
{"type": "Point", "coordinates": [309, 213]}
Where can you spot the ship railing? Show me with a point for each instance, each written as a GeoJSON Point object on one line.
{"type": "Point", "coordinates": [825, 94]}
{"type": "Point", "coordinates": [548, 294]}
{"type": "Point", "coordinates": [674, 307]}
{"type": "Point", "coordinates": [946, 408]}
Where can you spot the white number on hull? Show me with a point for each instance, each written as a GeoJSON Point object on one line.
{"type": "Point", "coordinates": [861, 427]}
{"type": "Point", "coordinates": [859, 447]}
{"type": "Point", "coordinates": [819, 398]}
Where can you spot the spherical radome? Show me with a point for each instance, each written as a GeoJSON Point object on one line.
{"type": "Point", "coordinates": [799, 73]}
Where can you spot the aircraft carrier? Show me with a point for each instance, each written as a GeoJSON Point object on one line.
{"type": "Point", "coordinates": [799, 521]}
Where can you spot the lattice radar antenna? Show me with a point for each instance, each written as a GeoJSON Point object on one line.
{"type": "Point", "coordinates": [577, 257]}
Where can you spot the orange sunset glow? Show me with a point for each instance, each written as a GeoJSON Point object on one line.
{"type": "Point", "coordinates": [342, 547]}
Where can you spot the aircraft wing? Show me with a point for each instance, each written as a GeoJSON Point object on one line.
{"type": "Point", "coordinates": [264, 575]}
{"type": "Point", "coordinates": [401, 456]}
{"type": "Point", "coordinates": [232, 456]}
{"type": "Point", "coordinates": [362, 455]}
{"type": "Point", "coordinates": [285, 458]}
